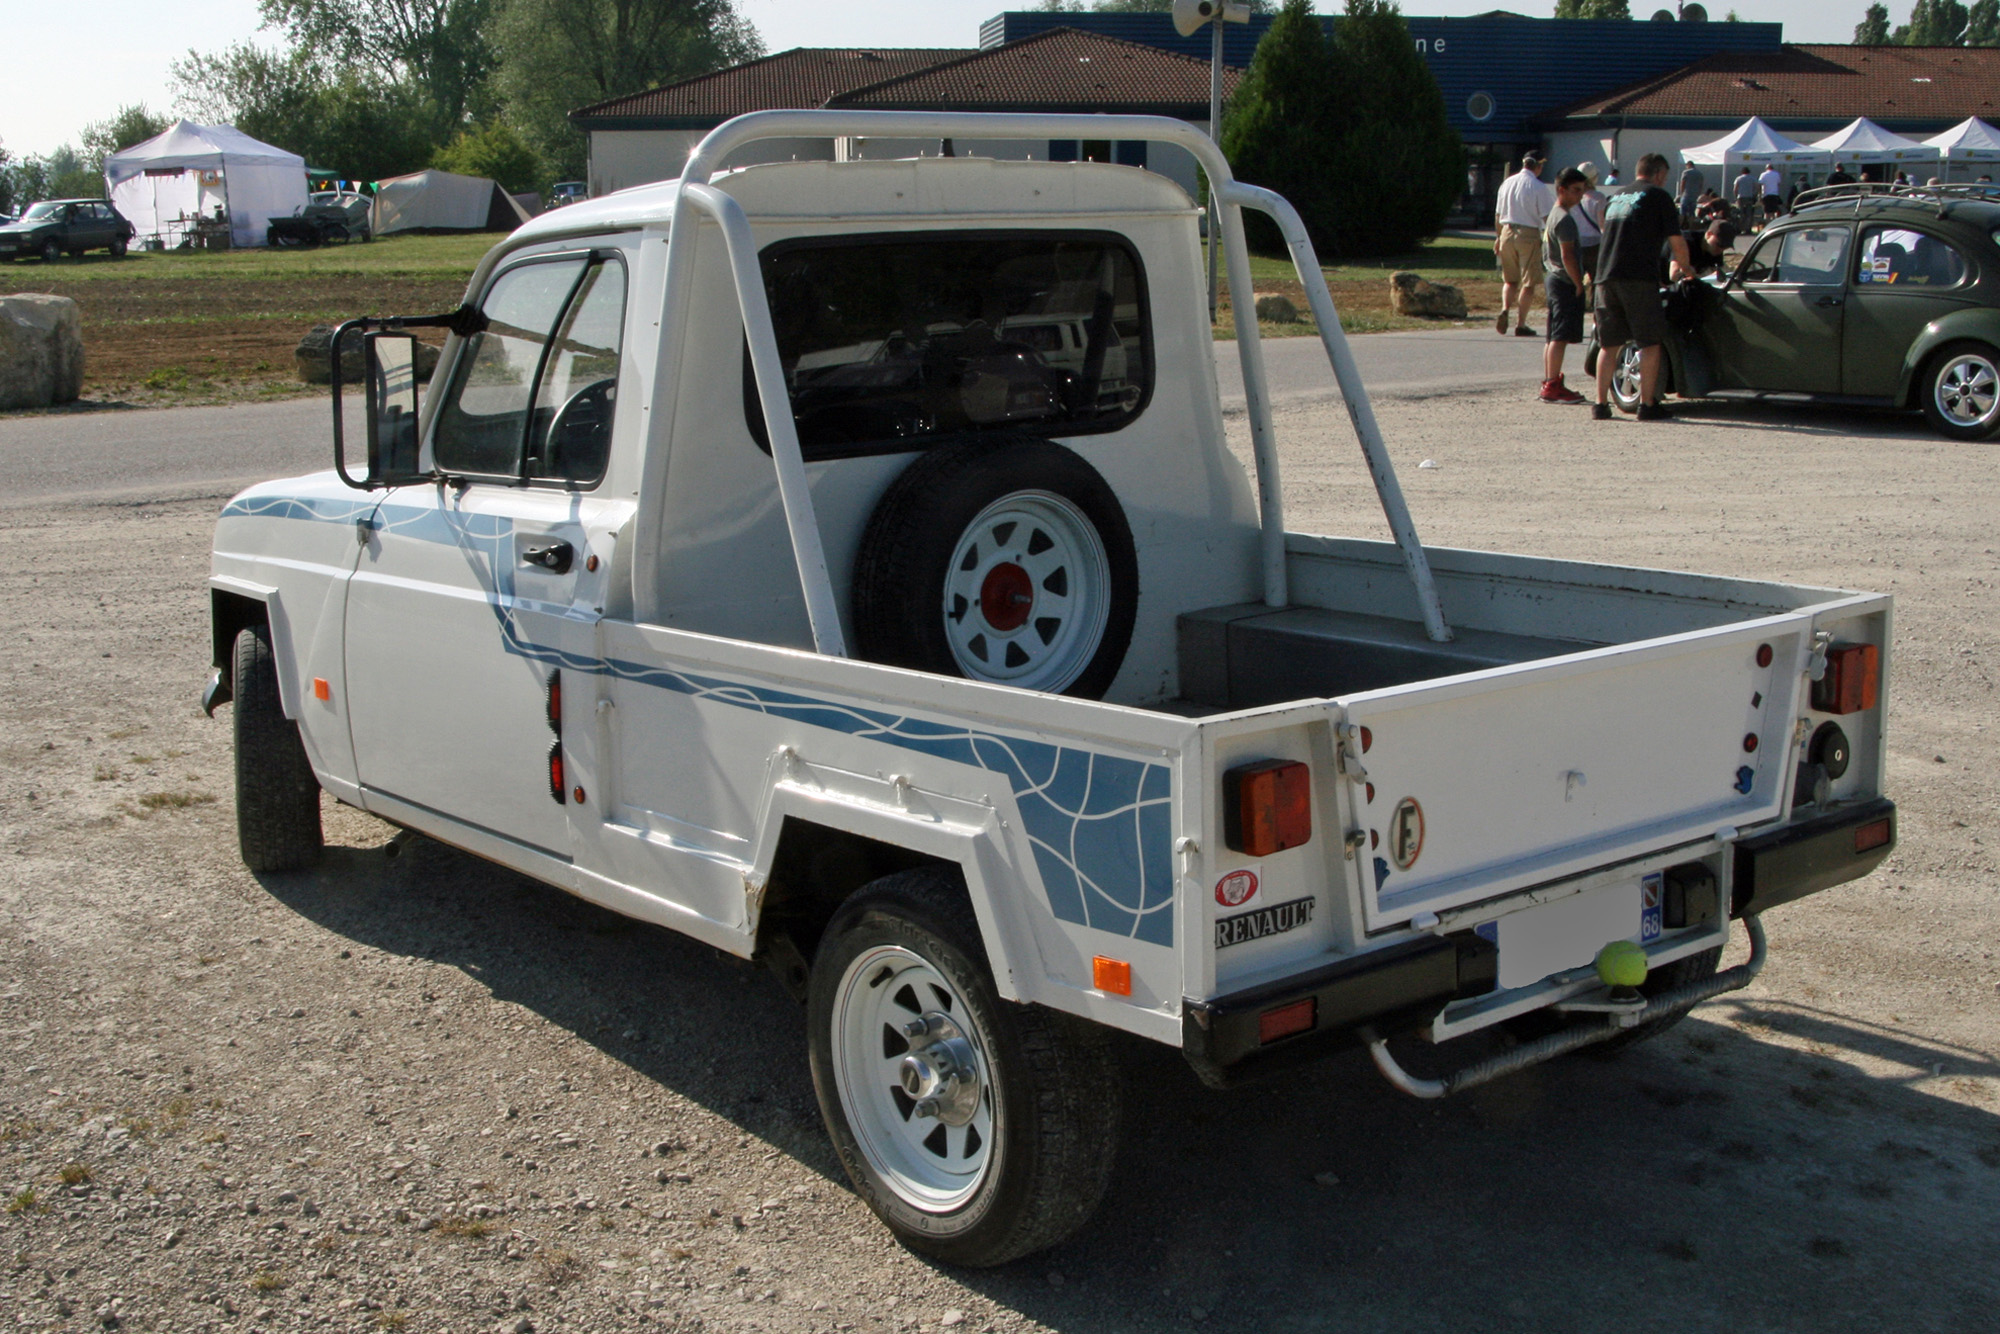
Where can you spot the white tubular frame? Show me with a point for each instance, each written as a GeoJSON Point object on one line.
{"type": "Point", "coordinates": [695, 196]}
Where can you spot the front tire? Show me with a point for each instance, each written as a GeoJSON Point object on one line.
{"type": "Point", "coordinates": [277, 797]}
{"type": "Point", "coordinates": [1625, 378]}
{"type": "Point", "coordinates": [979, 1130]}
{"type": "Point", "coordinates": [1961, 392]}
{"type": "Point", "coordinates": [51, 252]}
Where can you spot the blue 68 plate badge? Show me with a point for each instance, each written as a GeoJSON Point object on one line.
{"type": "Point", "coordinates": [1649, 909]}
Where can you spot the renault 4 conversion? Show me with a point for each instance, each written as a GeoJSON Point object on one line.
{"type": "Point", "coordinates": [842, 563]}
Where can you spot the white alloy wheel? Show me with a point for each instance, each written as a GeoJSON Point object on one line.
{"type": "Point", "coordinates": [913, 1076]}
{"type": "Point", "coordinates": [1967, 390]}
{"type": "Point", "coordinates": [1626, 384]}
{"type": "Point", "coordinates": [1028, 593]}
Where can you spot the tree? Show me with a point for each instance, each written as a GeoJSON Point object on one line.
{"type": "Point", "coordinates": [132, 125]}
{"type": "Point", "coordinates": [492, 150]}
{"type": "Point", "coordinates": [1146, 6]}
{"type": "Point", "coordinates": [1351, 129]}
{"type": "Point", "coordinates": [440, 46]}
{"type": "Point", "coordinates": [1982, 26]}
{"type": "Point", "coordinates": [1593, 9]}
{"type": "Point", "coordinates": [1873, 30]}
{"type": "Point", "coordinates": [557, 55]}
{"type": "Point", "coordinates": [1933, 23]}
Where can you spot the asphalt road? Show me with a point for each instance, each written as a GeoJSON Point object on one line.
{"type": "Point", "coordinates": [146, 455]}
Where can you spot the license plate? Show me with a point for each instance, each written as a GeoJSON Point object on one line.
{"type": "Point", "coordinates": [1567, 933]}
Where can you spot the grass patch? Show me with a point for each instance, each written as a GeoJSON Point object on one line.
{"type": "Point", "coordinates": [73, 1174]}
{"type": "Point", "coordinates": [25, 1202]}
{"type": "Point", "coordinates": [467, 1227]}
{"type": "Point", "coordinates": [152, 802]}
{"type": "Point", "coordinates": [393, 1320]}
{"type": "Point", "coordinates": [558, 1265]}
{"type": "Point", "coordinates": [268, 1280]}
{"type": "Point", "coordinates": [390, 257]}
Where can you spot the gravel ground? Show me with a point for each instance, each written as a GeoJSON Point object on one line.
{"type": "Point", "coordinates": [417, 1092]}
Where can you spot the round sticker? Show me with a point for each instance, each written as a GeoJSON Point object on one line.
{"type": "Point", "coordinates": [1406, 833]}
{"type": "Point", "coordinates": [1235, 888]}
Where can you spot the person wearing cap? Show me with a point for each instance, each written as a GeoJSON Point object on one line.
{"type": "Point", "coordinates": [1519, 214]}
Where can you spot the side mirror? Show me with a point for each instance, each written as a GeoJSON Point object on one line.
{"type": "Point", "coordinates": [389, 380]}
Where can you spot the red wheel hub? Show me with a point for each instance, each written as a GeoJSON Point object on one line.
{"type": "Point", "coordinates": [1006, 596]}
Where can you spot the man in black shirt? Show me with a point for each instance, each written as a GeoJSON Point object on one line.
{"type": "Point", "coordinates": [1636, 225]}
{"type": "Point", "coordinates": [1705, 250]}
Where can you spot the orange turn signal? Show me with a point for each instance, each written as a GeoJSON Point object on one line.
{"type": "Point", "coordinates": [1112, 975]}
{"type": "Point", "coordinates": [322, 689]}
{"type": "Point", "coordinates": [1266, 807]}
{"type": "Point", "coordinates": [1852, 674]}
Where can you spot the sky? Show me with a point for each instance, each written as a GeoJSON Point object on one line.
{"type": "Point", "coordinates": [64, 74]}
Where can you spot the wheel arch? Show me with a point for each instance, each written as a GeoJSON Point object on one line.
{"type": "Point", "coordinates": [235, 605]}
{"type": "Point", "coordinates": [1978, 325]}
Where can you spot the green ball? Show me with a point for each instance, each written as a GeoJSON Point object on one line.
{"type": "Point", "coordinates": [1621, 964]}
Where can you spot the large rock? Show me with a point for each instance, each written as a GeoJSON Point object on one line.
{"type": "Point", "coordinates": [315, 357]}
{"type": "Point", "coordinates": [1276, 308]}
{"type": "Point", "coordinates": [41, 351]}
{"type": "Point", "coordinates": [1410, 294]}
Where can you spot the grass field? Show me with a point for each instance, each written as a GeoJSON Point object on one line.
{"type": "Point", "coordinates": [198, 327]}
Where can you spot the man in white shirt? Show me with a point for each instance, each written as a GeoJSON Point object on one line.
{"type": "Point", "coordinates": [1772, 183]}
{"type": "Point", "coordinates": [1519, 213]}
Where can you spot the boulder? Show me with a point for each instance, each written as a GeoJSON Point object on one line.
{"type": "Point", "coordinates": [315, 358]}
{"type": "Point", "coordinates": [1410, 294]}
{"type": "Point", "coordinates": [41, 351]}
{"type": "Point", "coordinates": [1275, 309]}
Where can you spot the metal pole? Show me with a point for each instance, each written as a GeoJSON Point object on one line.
{"type": "Point", "coordinates": [1215, 134]}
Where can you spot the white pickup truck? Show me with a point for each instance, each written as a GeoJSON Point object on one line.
{"type": "Point", "coordinates": [842, 563]}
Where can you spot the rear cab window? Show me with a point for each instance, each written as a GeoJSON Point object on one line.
{"type": "Point", "coordinates": [532, 395]}
{"type": "Point", "coordinates": [893, 343]}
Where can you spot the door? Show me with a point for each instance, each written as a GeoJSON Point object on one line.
{"type": "Point", "coordinates": [1778, 325]}
{"type": "Point", "coordinates": [458, 610]}
{"type": "Point", "coordinates": [1904, 277]}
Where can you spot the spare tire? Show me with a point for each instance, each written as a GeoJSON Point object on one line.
{"type": "Point", "coordinates": [1003, 560]}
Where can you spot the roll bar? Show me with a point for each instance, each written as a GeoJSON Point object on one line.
{"type": "Point", "coordinates": [694, 196]}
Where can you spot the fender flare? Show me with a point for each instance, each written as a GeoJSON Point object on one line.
{"type": "Point", "coordinates": [1977, 323]}
{"type": "Point", "coordinates": [234, 605]}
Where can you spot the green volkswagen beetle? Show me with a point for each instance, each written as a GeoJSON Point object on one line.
{"type": "Point", "coordinates": [1858, 297]}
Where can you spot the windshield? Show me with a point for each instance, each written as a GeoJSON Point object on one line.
{"type": "Point", "coordinates": [42, 210]}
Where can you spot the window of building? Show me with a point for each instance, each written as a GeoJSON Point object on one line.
{"type": "Point", "coordinates": [892, 343]}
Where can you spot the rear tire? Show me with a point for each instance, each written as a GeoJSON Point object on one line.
{"type": "Point", "coordinates": [1013, 1154]}
{"type": "Point", "coordinates": [1625, 381]}
{"type": "Point", "coordinates": [1961, 391]}
{"type": "Point", "coordinates": [277, 797]}
{"type": "Point", "coordinates": [118, 247]}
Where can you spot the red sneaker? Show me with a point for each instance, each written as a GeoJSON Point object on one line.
{"type": "Point", "coordinates": [1555, 391]}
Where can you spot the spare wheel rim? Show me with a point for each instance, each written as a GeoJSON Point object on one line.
{"type": "Point", "coordinates": [1028, 593]}
{"type": "Point", "coordinates": [911, 1068]}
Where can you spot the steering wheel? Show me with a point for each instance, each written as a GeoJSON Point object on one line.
{"type": "Point", "coordinates": [580, 433]}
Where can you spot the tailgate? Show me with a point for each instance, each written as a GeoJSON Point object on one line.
{"type": "Point", "coordinates": [1494, 781]}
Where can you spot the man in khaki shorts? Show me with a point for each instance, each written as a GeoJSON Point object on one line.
{"type": "Point", "coordinates": [1520, 212]}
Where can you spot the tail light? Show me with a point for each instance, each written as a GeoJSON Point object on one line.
{"type": "Point", "coordinates": [1853, 672]}
{"type": "Point", "coordinates": [1872, 835]}
{"type": "Point", "coordinates": [556, 774]}
{"type": "Point", "coordinates": [1266, 807]}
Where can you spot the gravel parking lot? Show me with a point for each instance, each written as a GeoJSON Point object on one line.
{"type": "Point", "coordinates": [418, 1092]}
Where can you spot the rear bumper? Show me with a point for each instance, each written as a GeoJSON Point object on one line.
{"type": "Point", "coordinates": [1375, 994]}
{"type": "Point", "coordinates": [1807, 856]}
{"type": "Point", "coordinates": [1393, 990]}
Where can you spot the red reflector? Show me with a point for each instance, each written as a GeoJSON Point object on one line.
{"type": "Point", "coordinates": [1852, 673]}
{"type": "Point", "coordinates": [1872, 835]}
{"type": "Point", "coordinates": [556, 774]}
{"type": "Point", "coordinates": [555, 703]}
{"type": "Point", "coordinates": [1112, 975]}
{"type": "Point", "coordinates": [1763, 655]}
{"type": "Point", "coordinates": [1267, 807]}
{"type": "Point", "coordinates": [1749, 742]}
{"type": "Point", "coordinates": [1298, 1017]}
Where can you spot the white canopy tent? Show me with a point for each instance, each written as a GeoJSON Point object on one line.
{"type": "Point", "coordinates": [1755, 142]}
{"type": "Point", "coordinates": [445, 201]}
{"type": "Point", "coordinates": [192, 170]}
{"type": "Point", "coordinates": [1863, 141]}
{"type": "Point", "coordinates": [1972, 140]}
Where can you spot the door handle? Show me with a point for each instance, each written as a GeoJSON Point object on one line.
{"type": "Point", "coordinates": [1827, 301]}
{"type": "Point", "coordinates": [555, 556]}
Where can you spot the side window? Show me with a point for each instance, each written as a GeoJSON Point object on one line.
{"type": "Point", "coordinates": [531, 396]}
{"type": "Point", "coordinates": [570, 437]}
{"type": "Point", "coordinates": [1814, 256]}
{"type": "Point", "coordinates": [1908, 258]}
{"type": "Point", "coordinates": [891, 345]}
{"type": "Point", "coordinates": [1761, 264]}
